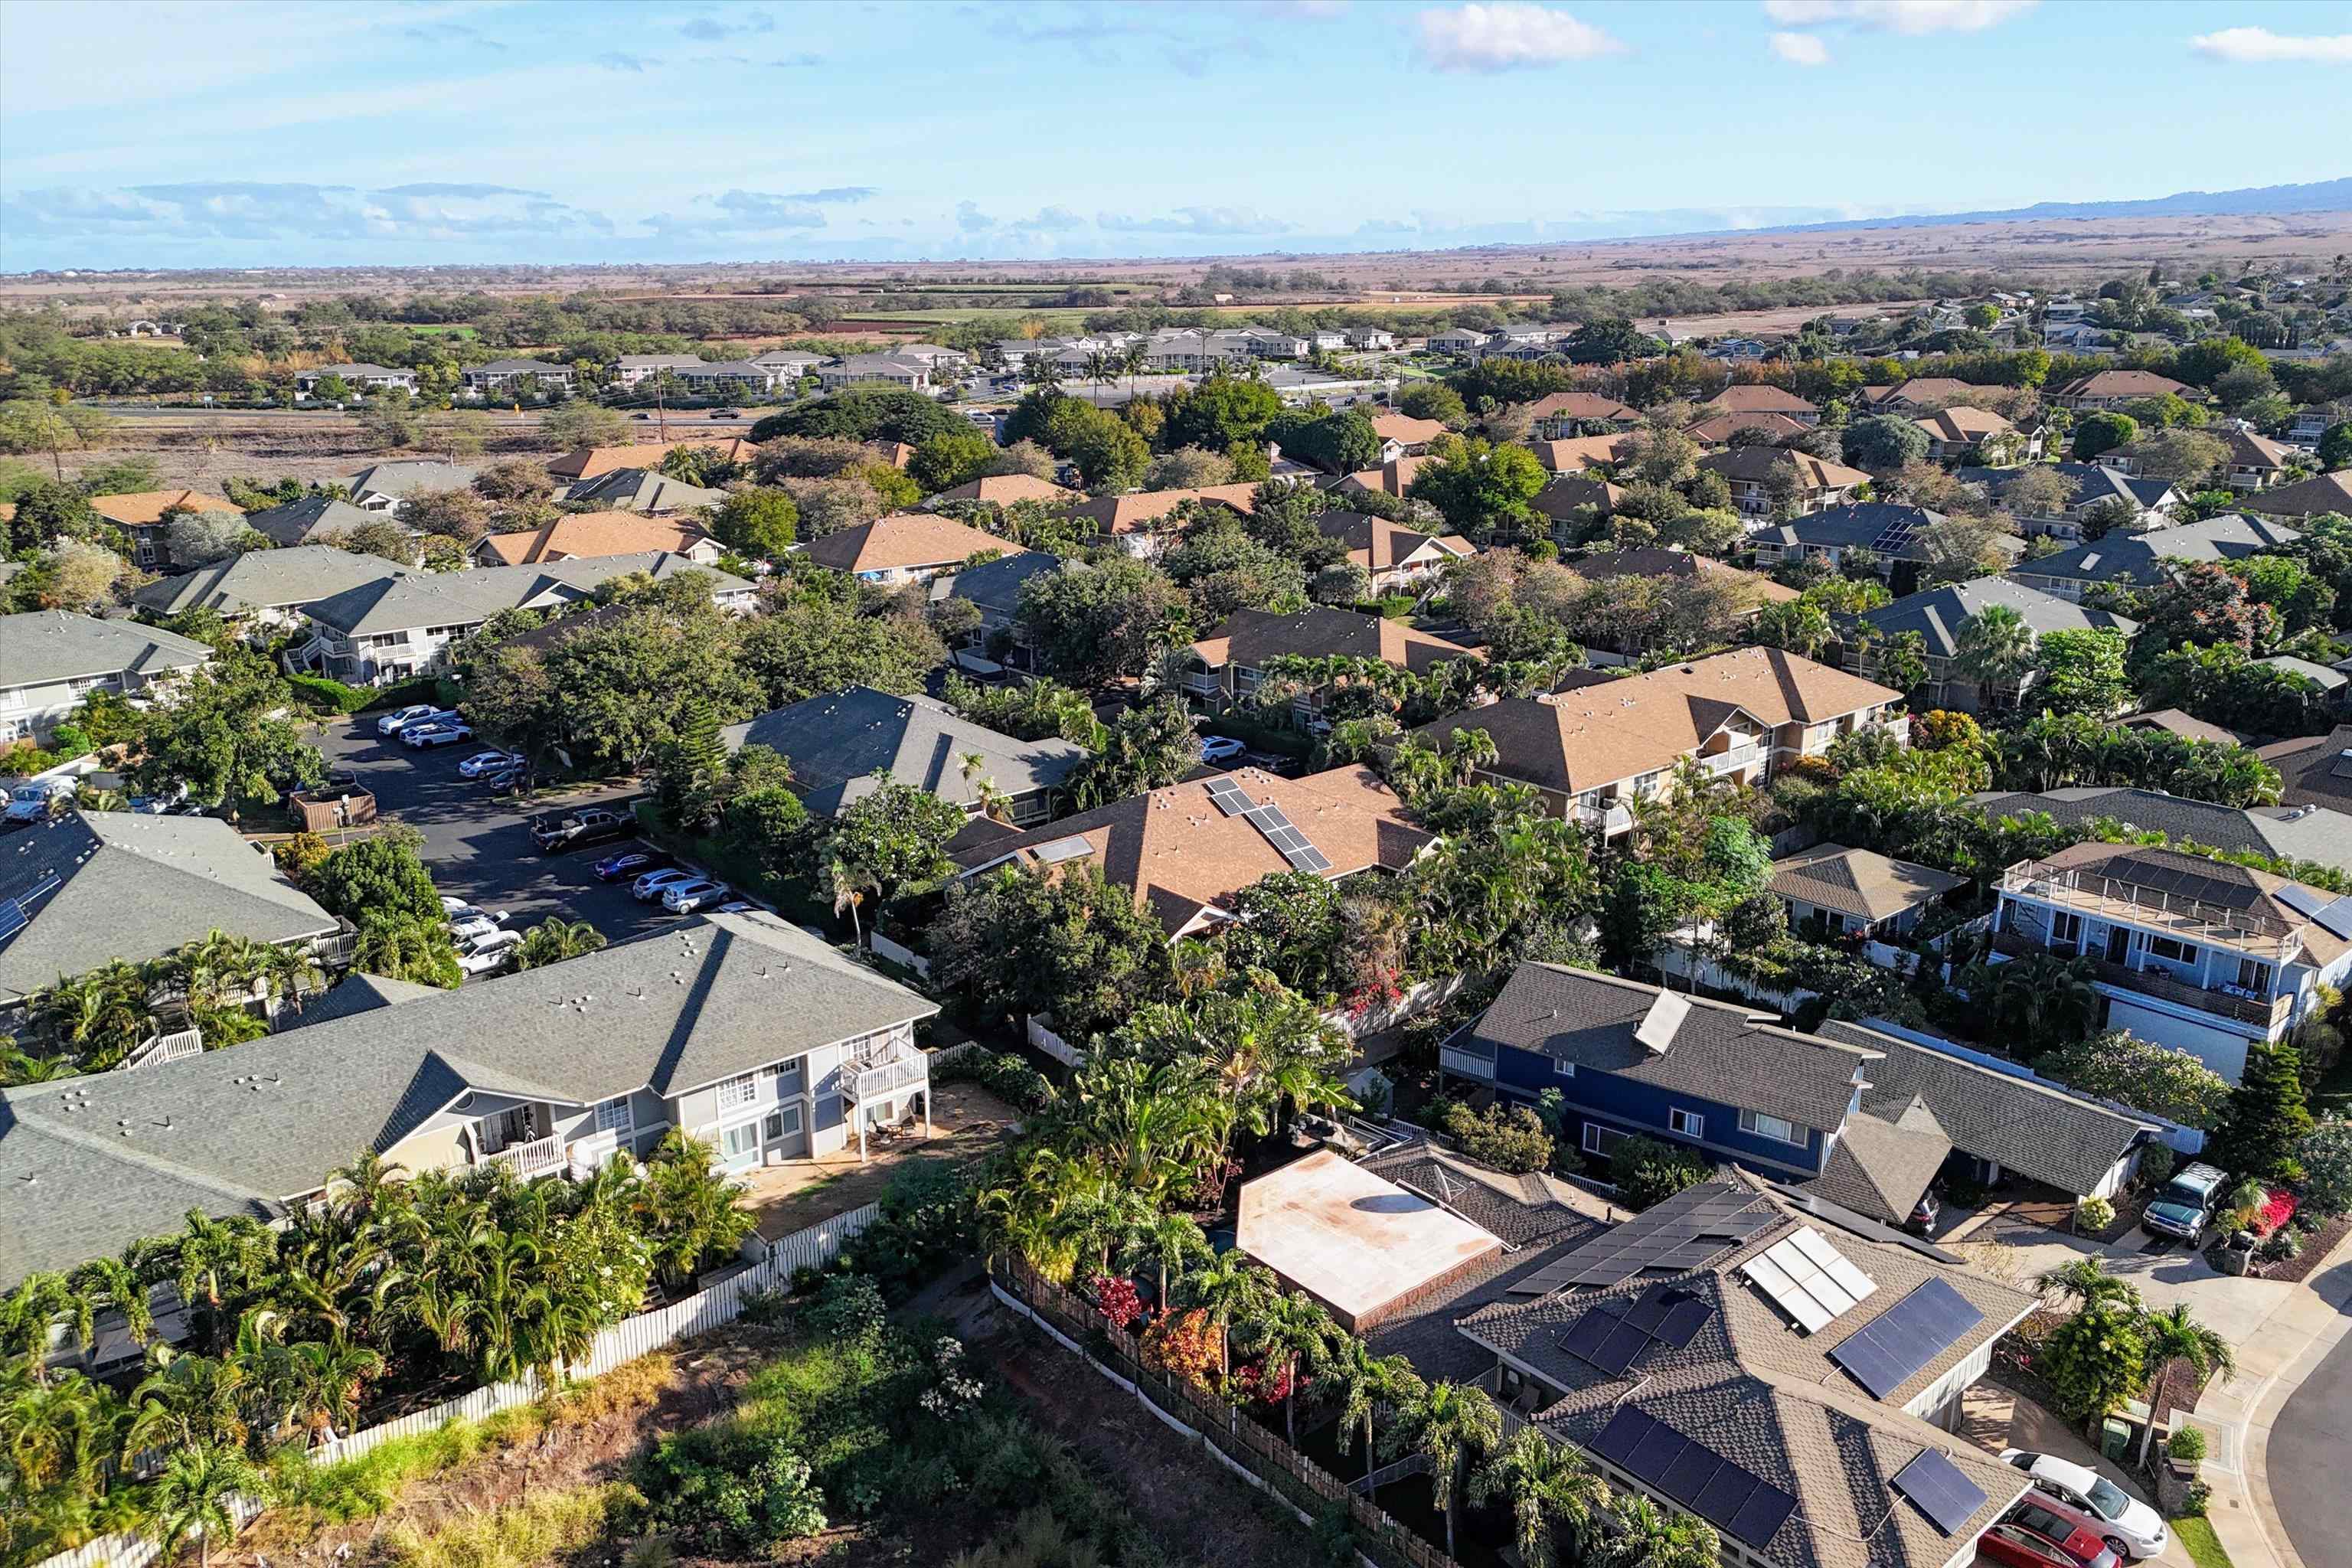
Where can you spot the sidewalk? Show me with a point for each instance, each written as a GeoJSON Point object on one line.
{"type": "Point", "coordinates": [2273, 1362]}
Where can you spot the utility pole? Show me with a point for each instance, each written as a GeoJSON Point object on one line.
{"type": "Point", "coordinates": [661, 406]}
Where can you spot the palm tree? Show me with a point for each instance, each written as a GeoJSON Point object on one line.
{"type": "Point", "coordinates": [1229, 1288]}
{"type": "Point", "coordinates": [59, 1432]}
{"type": "Point", "coordinates": [212, 1260]}
{"type": "Point", "coordinates": [189, 1401]}
{"type": "Point", "coordinates": [29, 1315]}
{"type": "Point", "coordinates": [2087, 1282]}
{"type": "Point", "coordinates": [1132, 358]}
{"type": "Point", "coordinates": [687, 1206]}
{"type": "Point", "coordinates": [196, 1495]}
{"type": "Point", "coordinates": [292, 972]}
{"type": "Point", "coordinates": [109, 1284]}
{"type": "Point", "coordinates": [1100, 368]}
{"type": "Point", "coordinates": [1648, 1536]}
{"type": "Point", "coordinates": [17, 1066]}
{"type": "Point", "coordinates": [1364, 1383]}
{"type": "Point", "coordinates": [849, 885]}
{"type": "Point", "coordinates": [994, 804]}
{"type": "Point", "coordinates": [553, 940]}
{"type": "Point", "coordinates": [1448, 1423]}
{"type": "Point", "coordinates": [1294, 1334]}
{"type": "Point", "coordinates": [1171, 1241]}
{"type": "Point", "coordinates": [2184, 1352]}
{"type": "Point", "coordinates": [1548, 1485]}
{"type": "Point", "coordinates": [320, 1384]}
{"type": "Point", "coordinates": [1995, 647]}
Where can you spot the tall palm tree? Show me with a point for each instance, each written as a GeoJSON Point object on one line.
{"type": "Point", "coordinates": [212, 1260]}
{"type": "Point", "coordinates": [1364, 1383]}
{"type": "Point", "coordinates": [2087, 1282]}
{"type": "Point", "coordinates": [555, 939]}
{"type": "Point", "coordinates": [1171, 1241]}
{"type": "Point", "coordinates": [54, 1434]}
{"type": "Point", "coordinates": [17, 1066]}
{"type": "Point", "coordinates": [1229, 1288]}
{"type": "Point", "coordinates": [1548, 1485]}
{"type": "Point", "coordinates": [1648, 1536]}
{"type": "Point", "coordinates": [190, 1401]}
{"type": "Point", "coordinates": [1448, 1424]}
{"type": "Point", "coordinates": [29, 1316]}
{"type": "Point", "coordinates": [293, 974]}
{"type": "Point", "coordinates": [849, 885]}
{"type": "Point", "coordinates": [109, 1285]}
{"type": "Point", "coordinates": [1295, 1335]}
{"type": "Point", "coordinates": [320, 1384]}
{"type": "Point", "coordinates": [195, 1496]}
{"type": "Point", "coordinates": [1100, 369]}
{"type": "Point", "coordinates": [1995, 647]}
{"type": "Point", "coordinates": [2185, 1353]}
{"type": "Point", "coordinates": [1132, 358]}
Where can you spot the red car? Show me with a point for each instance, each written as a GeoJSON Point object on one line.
{"type": "Point", "coordinates": [2033, 1535]}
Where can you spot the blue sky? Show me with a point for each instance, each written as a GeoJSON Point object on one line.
{"type": "Point", "coordinates": [141, 134]}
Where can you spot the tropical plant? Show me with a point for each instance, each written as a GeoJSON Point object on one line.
{"type": "Point", "coordinates": [2086, 1282]}
{"type": "Point", "coordinates": [1448, 1425]}
{"type": "Point", "coordinates": [1293, 1337]}
{"type": "Point", "coordinates": [195, 1498]}
{"type": "Point", "coordinates": [553, 940]}
{"type": "Point", "coordinates": [2185, 1354]}
{"type": "Point", "coordinates": [687, 1206]}
{"type": "Point", "coordinates": [1643, 1535]}
{"type": "Point", "coordinates": [1548, 1485]}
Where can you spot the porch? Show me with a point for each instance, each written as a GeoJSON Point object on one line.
{"type": "Point", "coordinates": [966, 1122]}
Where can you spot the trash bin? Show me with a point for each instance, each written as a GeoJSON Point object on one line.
{"type": "Point", "coordinates": [2114, 1438]}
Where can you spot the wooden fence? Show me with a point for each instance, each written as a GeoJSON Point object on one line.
{"type": "Point", "coordinates": [1258, 1455]}
{"type": "Point", "coordinates": [623, 1341]}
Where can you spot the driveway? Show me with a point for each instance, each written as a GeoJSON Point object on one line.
{"type": "Point", "coordinates": [2232, 1307]}
{"type": "Point", "coordinates": [479, 849]}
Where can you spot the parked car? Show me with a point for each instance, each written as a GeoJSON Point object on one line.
{"type": "Point", "coordinates": [2033, 1535]}
{"type": "Point", "coordinates": [416, 714]}
{"type": "Point", "coordinates": [484, 953]}
{"type": "Point", "coordinates": [628, 864]}
{"type": "Point", "coordinates": [33, 801]}
{"type": "Point", "coordinates": [2130, 1527]}
{"type": "Point", "coordinates": [440, 732]}
{"type": "Point", "coordinates": [726, 413]}
{"type": "Point", "coordinates": [1220, 748]}
{"type": "Point", "coordinates": [652, 885]}
{"type": "Point", "coordinates": [578, 829]}
{"type": "Point", "coordinates": [469, 923]}
{"type": "Point", "coordinates": [1924, 1215]}
{"type": "Point", "coordinates": [482, 763]}
{"type": "Point", "coordinates": [684, 897]}
{"type": "Point", "coordinates": [2186, 1204]}
{"type": "Point", "coordinates": [450, 906]}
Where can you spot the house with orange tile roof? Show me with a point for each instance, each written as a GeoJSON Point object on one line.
{"type": "Point", "coordinates": [1717, 429]}
{"type": "Point", "coordinates": [1763, 478]}
{"type": "Point", "coordinates": [1920, 394]}
{"type": "Point", "coordinates": [905, 547]}
{"type": "Point", "coordinates": [1397, 557]}
{"type": "Point", "coordinates": [1744, 397]}
{"type": "Point", "coordinates": [1603, 741]}
{"type": "Point", "coordinates": [583, 535]}
{"type": "Point", "coordinates": [2111, 389]}
{"type": "Point", "coordinates": [595, 462]}
{"type": "Point", "coordinates": [1393, 478]}
{"type": "Point", "coordinates": [1186, 850]}
{"type": "Point", "coordinates": [1962, 434]}
{"type": "Point", "coordinates": [1003, 490]}
{"type": "Point", "coordinates": [139, 515]}
{"type": "Point", "coordinates": [1230, 662]}
{"type": "Point", "coordinates": [1402, 435]}
{"type": "Point", "coordinates": [1574, 454]}
{"type": "Point", "coordinates": [1561, 415]}
{"type": "Point", "coordinates": [1140, 519]}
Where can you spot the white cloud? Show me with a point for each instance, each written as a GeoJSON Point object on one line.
{"type": "Point", "coordinates": [1197, 220]}
{"type": "Point", "coordinates": [1800, 48]}
{"type": "Point", "coordinates": [1507, 35]}
{"type": "Point", "coordinates": [1910, 18]}
{"type": "Point", "coordinates": [2259, 46]}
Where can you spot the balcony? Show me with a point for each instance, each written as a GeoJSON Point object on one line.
{"type": "Point", "coordinates": [886, 1074]}
{"type": "Point", "coordinates": [2265, 1014]}
{"type": "Point", "coordinates": [2152, 908]}
{"type": "Point", "coordinates": [1464, 1064]}
{"type": "Point", "coordinates": [539, 1157]}
{"type": "Point", "coordinates": [1718, 763]}
{"type": "Point", "coordinates": [1606, 817]}
{"type": "Point", "coordinates": [1205, 685]}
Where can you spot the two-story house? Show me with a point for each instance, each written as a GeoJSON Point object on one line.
{"type": "Point", "coordinates": [790, 364]}
{"type": "Point", "coordinates": [993, 588]}
{"type": "Point", "coordinates": [51, 659]}
{"type": "Point", "coordinates": [1897, 539]}
{"type": "Point", "coordinates": [2256, 462]}
{"type": "Point", "coordinates": [1574, 454]}
{"type": "Point", "coordinates": [508, 376]}
{"type": "Point", "coordinates": [647, 490]}
{"type": "Point", "coordinates": [2095, 488]}
{"type": "Point", "coordinates": [874, 370]}
{"type": "Point", "coordinates": [143, 516]}
{"type": "Point", "coordinates": [1940, 616]}
{"type": "Point", "coordinates": [848, 744]}
{"type": "Point", "coordinates": [269, 586]}
{"type": "Point", "coordinates": [386, 488]}
{"type": "Point", "coordinates": [1595, 748]}
{"type": "Point", "coordinates": [313, 520]}
{"type": "Point", "coordinates": [1370, 338]}
{"type": "Point", "coordinates": [905, 547]}
{"type": "Point", "coordinates": [2112, 389]}
{"type": "Point", "coordinates": [1765, 481]}
{"type": "Point", "coordinates": [2305, 498]}
{"type": "Point", "coordinates": [728, 378]}
{"type": "Point", "coordinates": [1396, 558]}
{"type": "Point", "coordinates": [1456, 340]}
{"type": "Point", "coordinates": [1717, 429]}
{"type": "Point", "coordinates": [2199, 955]}
{"type": "Point", "coordinates": [742, 1030]}
{"type": "Point", "coordinates": [1558, 414]}
{"type": "Point", "coordinates": [1960, 434]}
{"type": "Point", "coordinates": [630, 370]}
{"type": "Point", "coordinates": [359, 377]}
{"type": "Point", "coordinates": [1402, 435]}
{"type": "Point", "coordinates": [2122, 559]}
{"type": "Point", "coordinates": [586, 535]}
{"type": "Point", "coordinates": [1742, 398]}
{"type": "Point", "coordinates": [1228, 665]}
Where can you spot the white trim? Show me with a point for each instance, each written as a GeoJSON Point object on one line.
{"type": "Point", "coordinates": [1686, 1123]}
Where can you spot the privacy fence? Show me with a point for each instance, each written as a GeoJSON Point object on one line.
{"type": "Point", "coordinates": [623, 1341]}
{"type": "Point", "coordinates": [1258, 1455]}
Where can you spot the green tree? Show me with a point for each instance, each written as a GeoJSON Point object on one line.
{"type": "Point", "coordinates": [1221, 411]}
{"type": "Point", "coordinates": [1609, 340]}
{"type": "Point", "coordinates": [1647, 1171]}
{"type": "Point", "coordinates": [2183, 1355]}
{"type": "Point", "coordinates": [1547, 1486]}
{"type": "Point", "coordinates": [1088, 956]}
{"type": "Point", "coordinates": [691, 767]}
{"type": "Point", "coordinates": [756, 522]}
{"type": "Point", "coordinates": [2119, 1065]}
{"type": "Point", "coordinates": [381, 876]}
{"type": "Point", "coordinates": [894, 838]}
{"type": "Point", "coordinates": [1883, 443]}
{"type": "Point", "coordinates": [1647, 1536]}
{"type": "Point", "coordinates": [950, 459]}
{"type": "Point", "coordinates": [1290, 924]}
{"type": "Point", "coordinates": [866, 413]}
{"type": "Point", "coordinates": [688, 1208]}
{"type": "Point", "coordinates": [194, 1498]}
{"type": "Point", "coordinates": [1994, 647]}
{"type": "Point", "coordinates": [2325, 1155]}
{"type": "Point", "coordinates": [2103, 432]}
{"type": "Point", "coordinates": [1092, 624]}
{"type": "Point", "coordinates": [553, 940]}
{"type": "Point", "coordinates": [1480, 489]}
{"type": "Point", "coordinates": [810, 646]}
{"type": "Point", "coordinates": [580, 423]}
{"type": "Point", "coordinates": [1434, 400]}
{"type": "Point", "coordinates": [2267, 1115]}
{"type": "Point", "coordinates": [38, 425]}
{"type": "Point", "coordinates": [1147, 748]}
{"type": "Point", "coordinates": [1449, 1424]}
{"type": "Point", "coordinates": [2334, 450]}
{"type": "Point", "coordinates": [2095, 1361]}
{"type": "Point", "coordinates": [225, 737]}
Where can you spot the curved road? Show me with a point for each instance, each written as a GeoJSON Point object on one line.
{"type": "Point", "coordinates": [2310, 1454]}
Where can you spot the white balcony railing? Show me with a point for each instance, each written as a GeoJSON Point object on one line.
{"type": "Point", "coordinates": [1608, 818]}
{"type": "Point", "coordinates": [1462, 1064]}
{"type": "Point", "coordinates": [165, 1047]}
{"type": "Point", "coordinates": [1205, 685]}
{"type": "Point", "coordinates": [539, 1157]}
{"type": "Point", "coordinates": [885, 1075]}
{"type": "Point", "coordinates": [1732, 761]}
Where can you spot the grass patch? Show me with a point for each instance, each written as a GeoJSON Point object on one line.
{"type": "Point", "coordinates": [2204, 1546]}
{"type": "Point", "coordinates": [541, 1526]}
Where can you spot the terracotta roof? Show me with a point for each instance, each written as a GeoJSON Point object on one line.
{"type": "Point", "coordinates": [902, 539]}
{"type": "Point", "coordinates": [1003, 490]}
{"type": "Point", "coordinates": [1961, 425]}
{"type": "Point", "coordinates": [1929, 388]}
{"type": "Point", "coordinates": [2323, 492]}
{"type": "Point", "coordinates": [1859, 882]}
{"type": "Point", "coordinates": [1719, 430]}
{"type": "Point", "coordinates": [1744, 398]}
{"type": "Point", "coordinates": [2124, 383]}
{"type": "Point", "coordinates": [2256, 451]}
{"type": "Point", "coordinates": [1653, 561]}
{"type": "Point", "coordinates": [138, 508]}
{"type": "Point", "coordinates": [1125, 514]}
{"type": "Point", "coordinates": [1377, 544]}
{"type": "Point", "coordinates": [1391, 478]}
{"type": "Point", "coordinates": [1756, 463]}
{"type": "Point", "coordinates": [1404, 428]}
{"type": "Point", "coordinates": [1568, 492]}
{"type": "Point", "coordinates": [589, 533]}
{"type": "Point", "coordinates": [1579, 405]}
{"type": "Point", "coordinates": [1182, 856]}
{"type": "Point", "coordinates": [2173, 721]}
{"type": "Point", "coordinates": [1579, 452]}
{"type": "Point", "coordinates": [1250, 637]}
{"type": "Point", "coordinates": [588, 462]}
{"type": "Point", "coordinates": [1613, 729]}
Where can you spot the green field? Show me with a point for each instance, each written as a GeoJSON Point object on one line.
{"type": "Point", "coordinates": [448, 329]}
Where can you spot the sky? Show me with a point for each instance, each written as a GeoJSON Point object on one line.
{"type": "Point", "coordinates": [138, 134]}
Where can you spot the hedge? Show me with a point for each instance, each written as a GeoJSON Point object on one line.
{"type": "Point", "coordinates": [328, 696]}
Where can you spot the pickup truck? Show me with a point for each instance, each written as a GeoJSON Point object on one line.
{"type": "Point", "coordinates": [576, 829]}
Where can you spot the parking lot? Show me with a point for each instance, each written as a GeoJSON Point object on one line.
{"type": "Point", "coordinates": [479, 849]}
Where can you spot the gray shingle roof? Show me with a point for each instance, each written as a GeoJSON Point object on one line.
{"type": "Point", "coordinates": [268, 579]}
{"type": "Point", "coordinates": [2316, 771]}
{"type": "Point", "coordinates": [43, 647]}
{"type": "Point", "coordinates": [462, 599]}
{"type": "Point", "coordinates": [1938, 613]}
{"type": "Point", "coordinates": [1859, 882]}
{"type": "Point", "coordinates": [401, 481]}
{"type": "Point", "coordinates": [241, 1129]}
{"type": "Point", "coordinates": [837, 744]}
{"type": "Point", "coordinates": [1882, 1163]}
{"type": "Point", "coordinates": [357, 992]}
{"type": "Point", "coordinates": [643, 489]}
{"type": "Point", "coordinates": [2139, 557]}
{"type": "Point", "coordinates": [2315, 833]}
{"type": "Point", "coordinates": [103, 885]}
{"type": "Point", "coordinates": [2040, 1131]}
{"type": "Point", "coordinates": [1721, 1052]}
{"type": "Point", "coordinates": [996, 584]}
{"type": "Point", "coordinates": [297, 521]}
{"type": "Point", "coordinates": [2093, 482]}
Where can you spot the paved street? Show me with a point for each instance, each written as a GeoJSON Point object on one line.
{"type": "Point", "coordinates": [479, 849]}
{"type": "Point", "coordinates": [2307, 1451]}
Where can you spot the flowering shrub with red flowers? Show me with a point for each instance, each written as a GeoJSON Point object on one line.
{"type": "Point", "coordinates": [2277, 1209]}
{"type": "Point", "coordinates": [1116, 1299]}
{"type": "Point", "coordinates": [1183, 1345]}
{"type": "Point", "coordinates": [1380, 989]}
{"type": "Point", "coordinates": [1272, 1383]}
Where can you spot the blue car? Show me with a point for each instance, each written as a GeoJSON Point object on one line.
{"type": "Point", "coordinates": [626, 865]}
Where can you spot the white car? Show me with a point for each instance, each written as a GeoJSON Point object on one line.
{"type": "Point", "coordinates": [439, 732]}
{"type": "Point", "coordinates": [450, 906]}
{"type": "Point", "coordinates": [654, 884]}
{"type": "Point", "coordinates": [482, 763]}
{"type": "Point", "coordinates": [1220, 748]}
{"type": "Point", "coordinates": [684, 897]}
{"type": "Point", "coordinates": [422, 713]}
{"type": "Point", "coordinates": [2130, 1528]}
{"type": "Point", "coordinates": [466, 922]}
{"type": "Point", "coordinates": [485, 953]}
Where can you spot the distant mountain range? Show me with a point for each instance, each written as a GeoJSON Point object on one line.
{"type": "Point", "coordinates": [2322, 195]}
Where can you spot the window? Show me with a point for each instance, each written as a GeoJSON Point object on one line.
{"type": "Point", "coordinates": [740, 1142]}
{"type": "Point", "coordinates": [2253, 975]}
{"type": "Point", "coordinates": [1602, 1140]}
{"type": "Point", "coordinates": [1564, 1070]}
{"type": "Point", "coordinates": [613, 1116]}
{"type": "Point", "coordinates": [1689, 1123]}
{"type": "Point", "coordinates": [737, 1091]}
{"type": "Point", "coordinates": [2166, 947]}
{"type": "Point", "coordinates": [784, 1078]}
{"type": "Point", "coordinates": [2065, 928]}
{"type": "Point", "coordinates": [1776, 1128]}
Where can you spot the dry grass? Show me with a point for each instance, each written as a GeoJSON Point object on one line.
{"type": "Point", "coordinates": [539, 1528]}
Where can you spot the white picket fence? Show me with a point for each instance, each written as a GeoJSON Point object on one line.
{"type": "Point", "coordinates": [623, 1341]}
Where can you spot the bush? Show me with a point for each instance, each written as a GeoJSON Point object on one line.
{"type": "Point", "coordinates": [68, 741]}
{"type": "Point", "coordinates": [1647, 1172]}
{"type": "Point", "coordinates": [2278, 1247]}
{"type": "Point", "coordinates": [324, 696]}
{"type": "Point", "coordinates": [23, 762]}
{"type": "Point", "coordinates": [2186, 1444]}
{"type": "Point", "coordinates": [2157, 1161]}
{"type": "Point", "coordinates": [1512, 1139]}
{"type": "Point", "coordinates": [2093, 1213]}
{"type": "Point", "coordinates": [1003, 1074]}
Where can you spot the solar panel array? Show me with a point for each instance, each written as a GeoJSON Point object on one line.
{"type": "Point", "coordinates": [1899, 531]}
{"type": "Point", "coordinates": [1615, 1337]}
{"type": "Point", "coordinates": [1947, 1498]}
{"type": "Point", "coordinates": [1294, 846]}
{"type": "Point", "coordinates": [1887, 1351]}
{"type": "Point", "coordinates": [2337, 917]}
{"type": "Point", "coordinates": [1809, 1278]}
{"type": "Point", "coordinates": [1673, 1238]}
{"type": "Point", "coordinates": [2301, 900]}
{"type": "Point", "coordinates": [1229, 796]}
{"type": "Point", "coordinates": [1726, 1495]}
{"type": "Point", "coordinates": [2175, 883]}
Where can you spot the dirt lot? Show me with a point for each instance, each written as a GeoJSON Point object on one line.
{"type": "Point", "coordinates": [967, 1122]}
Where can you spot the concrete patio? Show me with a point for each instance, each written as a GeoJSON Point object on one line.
{"type": "Point", "coordinates": [967, 1122]}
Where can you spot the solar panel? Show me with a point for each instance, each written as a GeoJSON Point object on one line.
{"type": "Point", "coordinates": [1627, 1427]}
{"type": "Point", "coordinates": [12, 919]}
{"type": "Point", "coordinates": [1947, 1498]}
{"type": "Point", "coordinates": [1726, 1495]}
{"type": "Point", "coordinates": [1759, 1518]}
{"type": "Point", "coordinates": [1886, 1352]}
{"type": "Point", "coordinates": [1228, 796]}
{"type": "Point", "coordinates": [1833, 1263]}
{"type": "Point", "coordinates": [2337, 917]}
{"type": "Point", "coordinates": [1308, 859]}
{"type": "Point", "coordinates": [1684, 1322]}
{"type": "Point", "coordinates": [2301, 900]}
{"type": "Point", "coordinates": [1673, 1236]}
{"type": "Point", "coordinates": [1785, 1293]}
